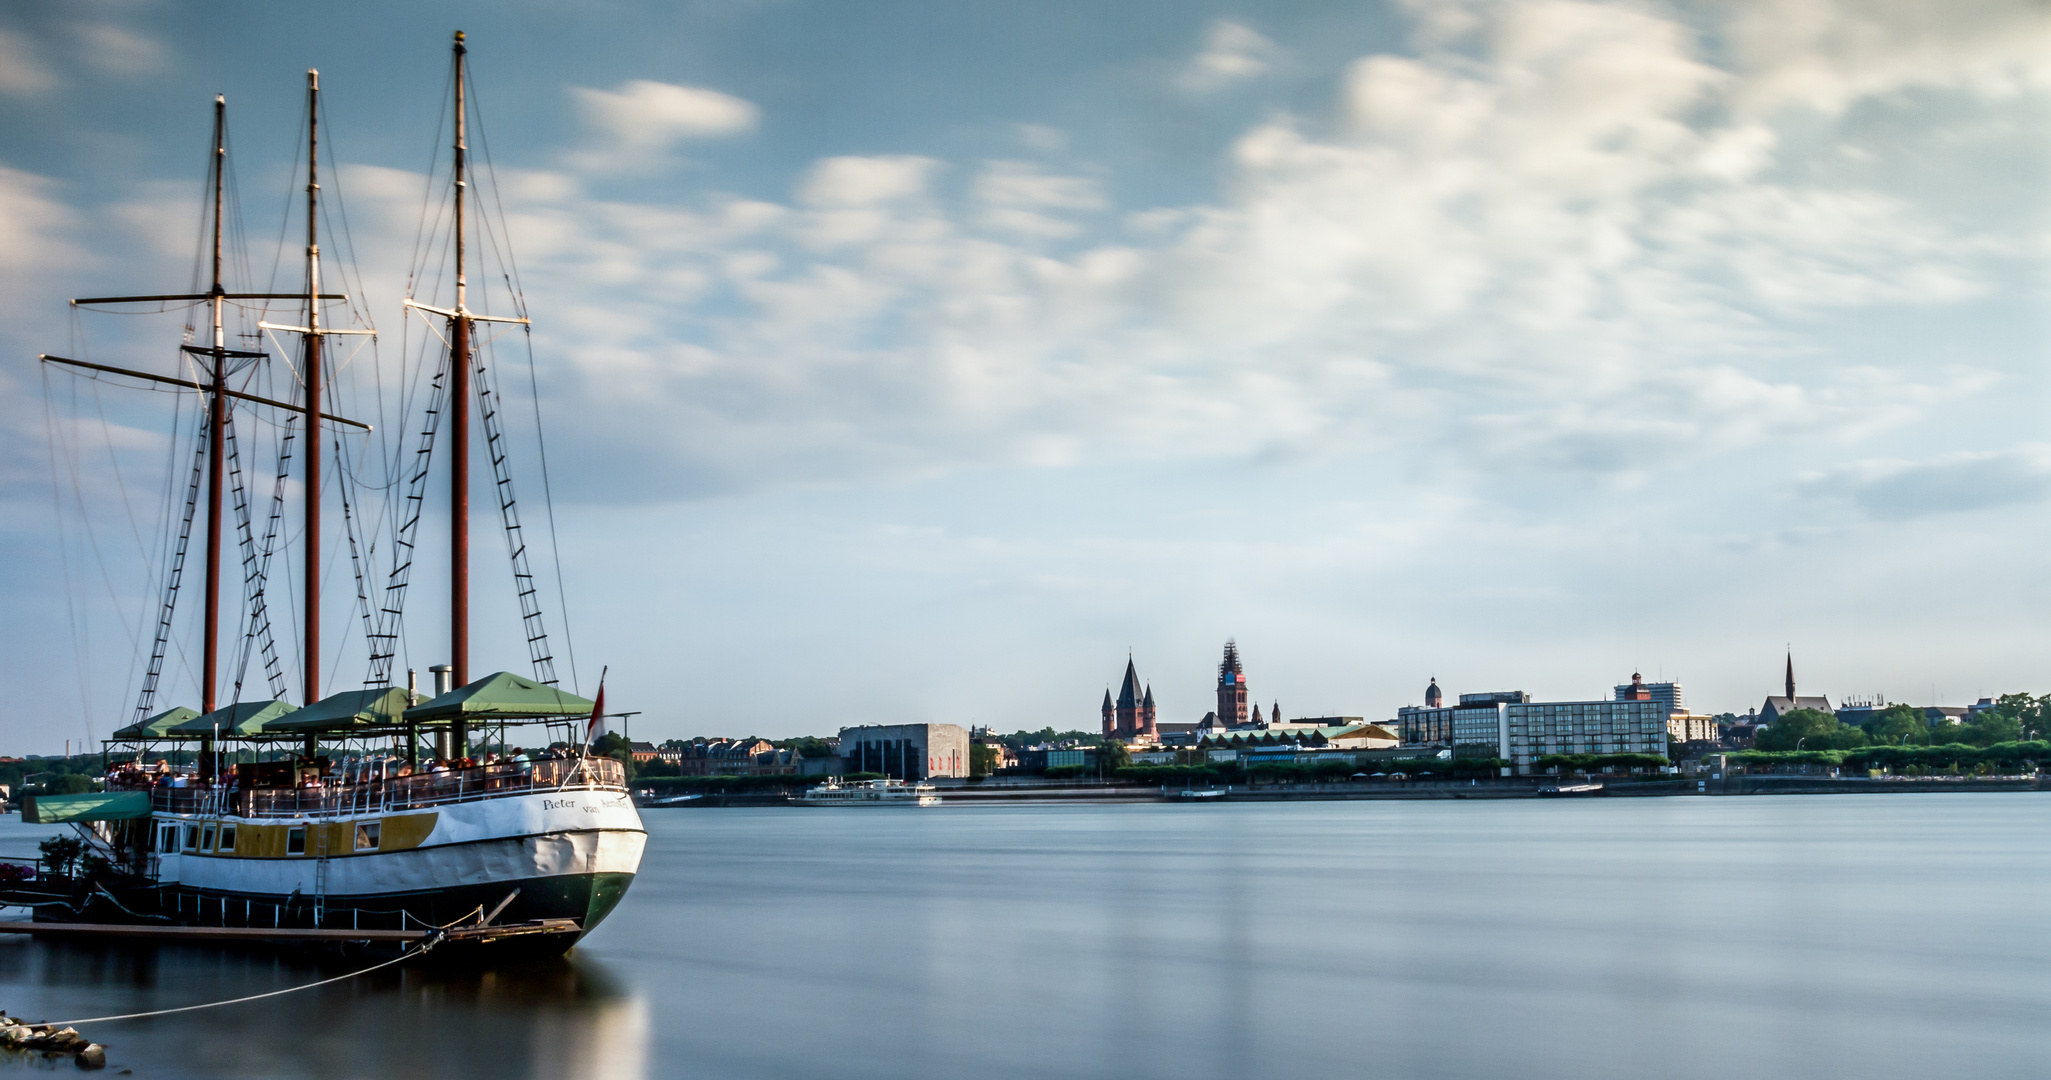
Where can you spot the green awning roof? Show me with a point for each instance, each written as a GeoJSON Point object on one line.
{"type": "Point", "coordinates": [380, 707]}
{"type": "Point", "coordinates": [90, 806]}
{"type": "Point", "coordinates": [504, 696]}
{"type": "Point", "coordinates": [156, 726]}
{"type": "Point", "coordinates": [243, 718]}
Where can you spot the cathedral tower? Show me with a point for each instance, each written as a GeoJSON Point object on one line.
{"type": "Point", "coordinates": [1231, 688]}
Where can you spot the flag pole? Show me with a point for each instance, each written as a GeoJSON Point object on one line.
{"type": "Point", "coordinates": [597, 712]}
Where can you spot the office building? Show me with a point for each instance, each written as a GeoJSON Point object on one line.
{"type": "Point", "coordinates": [906, 751]}
{"type": "Point", "coordinates": [1508, 724]}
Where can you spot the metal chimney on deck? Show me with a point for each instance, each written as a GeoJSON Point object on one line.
{"type": "Point", "coordinates": [441, 679]}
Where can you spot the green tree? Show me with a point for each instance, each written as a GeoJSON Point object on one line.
{"type": "Point", "coordinates": [614, 745]}
{"type": "Point", "coordinates": [2031, 714]}
{"type": "Point", "coordinates": [1810, 729]}
{"type": "Point", "coordinates": [982, 759]}
{"type": "Point", "coordinates": [1898, 725]}
{"type": "Point", "coordinates": [1111, 757]}
{"type": "Point", "coordinates": [810, 746]}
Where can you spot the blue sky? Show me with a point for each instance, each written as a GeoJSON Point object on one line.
{"type": "Point", "coordinates": [916, 361]}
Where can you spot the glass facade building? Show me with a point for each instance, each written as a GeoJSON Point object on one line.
{"type": "Point", "coordinates": [1511, 726]}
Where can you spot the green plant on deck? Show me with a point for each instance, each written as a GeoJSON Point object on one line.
{"type": "Point", "coordinates": [61, 853]}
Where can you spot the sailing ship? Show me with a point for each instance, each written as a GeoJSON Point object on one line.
{"type": "Point", "coordinates": [362, 809]}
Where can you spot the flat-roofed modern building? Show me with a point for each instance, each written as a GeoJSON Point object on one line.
{"type": "Point", "coordinates": [1507, 724]}
{"type": "Point", "coordinates": [906, 751]}
{"type": "Point", "coordinates": [1583, 727]}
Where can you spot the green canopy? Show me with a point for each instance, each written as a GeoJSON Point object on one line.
{"type": "Point", "coordinates": [90, 806]}
{"type": "Point", "coordinates": [156, 726]}
{"type": "Point", "coordinates": [379, 707]}
{"type": "Point", "coordinates": [504, 696]}
{"type": "Point", "coordinates": [244, 718]}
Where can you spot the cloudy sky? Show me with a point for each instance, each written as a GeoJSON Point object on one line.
{"type": "Point", "coordinates": [918, 360]}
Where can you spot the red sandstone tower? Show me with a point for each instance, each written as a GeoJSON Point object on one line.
{"type": "Point", "coordinates": [1132, 716]}
{"type": "Point", "coordinates": [1231, 688]}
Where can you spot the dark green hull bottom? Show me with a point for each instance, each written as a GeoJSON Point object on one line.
{"type": "Point", "coordinates": [585, 899]}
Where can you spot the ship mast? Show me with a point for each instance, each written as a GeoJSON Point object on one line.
{"type": "Point", "coordinates": [459, 424]}
{"type": "Point", "coordinates": [311, 497]}
{"type": "Point", "coordinates": [217, 423]}
{"type": "Point", "coordinates": [462, 324]}
{"type": "Point", "coordinates": [311, 337]}
{"type": "Point", "coordinates": [216, 358]}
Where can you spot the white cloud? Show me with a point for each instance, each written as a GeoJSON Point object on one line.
{"type": "Point", "coordinates": [1547, 243]}
{"type": "Point", "coordinates": [865, 181]}
{"type": "Point", "coordinates": [1232, 52]}
{"type": "Point", "coordinates": [23, 71]}
{"type": "Point", "coordinates": [1827, 54]}
{"type": "Point", "coordinates": [37, 236]}
{"type": "Point", "coordinates": [1017, 197]}
{"type": "Point", "coordinates": [641, 121]}
{"type": "Point", "coordinates": [1896, 490]}
{"type": "Point", "coordinates": [118, 50]}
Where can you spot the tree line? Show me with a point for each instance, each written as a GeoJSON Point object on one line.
{"type": "Point", "coordinates": [2012, 718]}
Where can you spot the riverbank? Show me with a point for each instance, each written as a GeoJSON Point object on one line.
{"type": "Point", "coordinates": [1010, 790]}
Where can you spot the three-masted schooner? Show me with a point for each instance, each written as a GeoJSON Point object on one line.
{"type": "Point", "coordinates": [520, 850]}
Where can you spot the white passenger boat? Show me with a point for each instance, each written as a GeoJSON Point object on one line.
{"type": "Point", "coordinates": [868, 793]}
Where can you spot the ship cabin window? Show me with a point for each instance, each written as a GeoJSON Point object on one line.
{"type": "Point", "coordinates": [366, 837]}
{"type": "Point", "coordinates": [295, 840]}
{"type": "Point", "coordinates": [206, 842]}
{"type": "Point", "coordinates": [227, 837]}
{"type": "Point", "coordinates": [191, 837]}
{"type": "Point", "coordinates": [167, 838]}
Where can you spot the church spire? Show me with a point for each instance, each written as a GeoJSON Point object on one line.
{"type": "Point", "coordinates": [1791, 675]}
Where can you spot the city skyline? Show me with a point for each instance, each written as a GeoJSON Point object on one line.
{"type": "Point", "coordinates": [909, 372]}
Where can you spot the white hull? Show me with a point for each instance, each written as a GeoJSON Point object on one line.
{"type": "Point", "coordinates": [477, 852]}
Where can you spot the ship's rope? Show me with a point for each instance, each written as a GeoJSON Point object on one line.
{"type": "Point", "coordinates": [409, 954]}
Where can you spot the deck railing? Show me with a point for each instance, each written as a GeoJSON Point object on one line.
{"type": "Point", "coordinates": [365, 794]}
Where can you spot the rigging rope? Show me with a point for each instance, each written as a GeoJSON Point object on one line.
{"type": "Point", "coordinates": [426, 944]}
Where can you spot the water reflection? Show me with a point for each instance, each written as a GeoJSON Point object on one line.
{"type": "Point", "coordinates": [1840, 936]}
{"type": "Point", "coordinates": [568, 1017]}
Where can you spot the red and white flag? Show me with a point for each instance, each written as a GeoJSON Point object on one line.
{"type": "Point", "coordinates": [597, 712]}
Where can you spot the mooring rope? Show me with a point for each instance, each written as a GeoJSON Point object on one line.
{"type": "Point", "coordinates": [409, 954]}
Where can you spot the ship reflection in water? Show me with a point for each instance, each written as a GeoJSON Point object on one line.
{"type": "Point", "coordinates": [561, 1017]}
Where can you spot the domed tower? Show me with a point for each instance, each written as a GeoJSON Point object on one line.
{"type": "Point", "coordinates": [1231, 687]}
{"type": "Point", "coordinates": [1432, 696]}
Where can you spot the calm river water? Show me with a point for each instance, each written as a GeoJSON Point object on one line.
{"type": "Point", "coordinates": [1864, 936]}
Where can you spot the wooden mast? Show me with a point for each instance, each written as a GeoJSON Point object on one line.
{"type": "Point", "coordinates": [312, 353]}
{"type": "Point", "coordinates": [217, 422]}
{"type": "Point", "coordinates": [459, 425]}
{"type": "Point", "coordinates": [215, 385]}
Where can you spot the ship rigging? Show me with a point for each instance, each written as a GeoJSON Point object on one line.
{"type": "Point", "coordinates": [377, 830]}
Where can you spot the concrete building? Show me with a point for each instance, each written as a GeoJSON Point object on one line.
{"type": "Point", "coordinates": [1536, 729]}
{"type": "Point", "coordinates": [1474, 720]}
{"type": "Point", "coordinates": [906, 751]}
{"type": "Point", "coordinates": [1666, 693]}
{"type": "Point", "coordinates": [1507, 724]}
{"type": "Point", "coordinates": [1687, 727]}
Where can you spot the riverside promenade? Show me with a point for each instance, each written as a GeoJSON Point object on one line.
{"type": "Point", "coordinates": [997, 791]}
